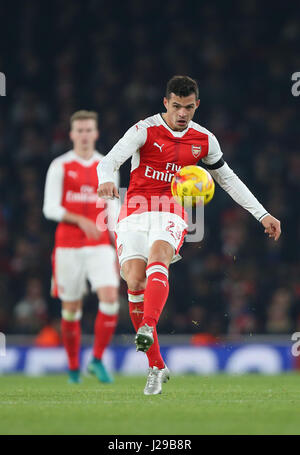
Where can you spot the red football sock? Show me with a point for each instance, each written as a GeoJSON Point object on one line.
{"type": "Point", "coordinates": [136, 311]}
{"type": "Point", "coordinates": [71, 333]}
{"type": "Point", "coordinates": [136, 307]}
{"type": "Point", "coordinates": [154, 356]}
{"type": "Point", "coordinates": [156, 292]}
{"type": "Point", "coordinates": [105, 326]}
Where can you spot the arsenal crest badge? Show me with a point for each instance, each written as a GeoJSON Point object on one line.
{"type": "Point", "coordinates": [196, 150]}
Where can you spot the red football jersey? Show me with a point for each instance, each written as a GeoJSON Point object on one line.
{"type": "Point", "coordinates": [157, 153]}
{"type": "Point", "coordinates": [71, 185]}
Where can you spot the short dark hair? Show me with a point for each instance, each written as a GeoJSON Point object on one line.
{"type": "Point", "coordinates": [182, 86]}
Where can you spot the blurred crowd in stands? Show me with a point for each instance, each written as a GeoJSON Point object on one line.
{"type": "Point", "coordinates": [116, 58]}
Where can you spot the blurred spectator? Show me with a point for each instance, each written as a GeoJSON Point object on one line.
{"type": "Point", "coordinates": [31, 311]}
{"type": "Point", "coordinates": [278, 312]}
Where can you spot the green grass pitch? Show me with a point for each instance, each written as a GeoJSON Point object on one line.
{"type": "Point", "coordinates": [219, 404]}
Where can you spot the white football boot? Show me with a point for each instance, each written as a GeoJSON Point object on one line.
{"type": "Point", "coordinates": [155, 379]}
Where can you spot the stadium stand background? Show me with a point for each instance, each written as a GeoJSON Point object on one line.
{"type": "Point", "coordinates": [115, 58]}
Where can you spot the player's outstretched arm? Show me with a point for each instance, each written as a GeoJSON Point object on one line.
{"type": "Point", "coordinates": [239, 192]}
{"type": "Point", "coordinates": [272, 226]}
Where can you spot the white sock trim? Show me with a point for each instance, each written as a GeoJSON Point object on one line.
{"type": "Point", "coordinates": [71, 316]}
{"type": "Point", "coordinates": [157, 268]}
{"type": "Point", "coordinates": [135, 298]}
{"type": "Point", "coordinates": [110, 309]}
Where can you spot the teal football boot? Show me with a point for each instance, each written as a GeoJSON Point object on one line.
{"type": "Point", "coordinates": [97, 368]}
{"type": "Point", "coordinates": [74, 377]}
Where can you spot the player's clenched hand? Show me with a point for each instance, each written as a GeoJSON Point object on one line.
{"type": "Point", "coordinates": [272, 226]}
{"type": "Point", "coordinates": [89, 228]}
{"type": "Point", "coordinates": [108, 190]}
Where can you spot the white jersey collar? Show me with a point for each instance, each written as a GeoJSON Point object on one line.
{"type": "Point", "coordinates": [82, 160]}
{"type": "Point", "coordinates": [174, 133]}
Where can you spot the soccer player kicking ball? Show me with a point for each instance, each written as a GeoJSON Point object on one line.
{"type": "Point", "coordinates": [82, 251]}
{"type": "Point", "coordinates": [149, 235]}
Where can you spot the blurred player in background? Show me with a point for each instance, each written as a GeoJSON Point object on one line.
{"type": "Point", "coordinates": [149, 235]}
{"type": "Point", "coordinates": [82, 249]}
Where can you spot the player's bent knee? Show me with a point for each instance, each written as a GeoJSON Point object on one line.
{"type": "Point", "coordinates": [72, 307]}
{"type": "Point", "coordinates": [136, 284]}
{"type": "Point", "coordinates": [164, 258]}
{"type": "Point", "coordinates": [134, 272]}
{"type": "Point", "coordinates": [108, 294]}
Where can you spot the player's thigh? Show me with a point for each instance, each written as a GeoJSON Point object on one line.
{"type": "Point", "coordinates": [166, 236]}
{"type": "Point", "coordinates": [68, 274]}
{"type": "Point", "coordinates": [101, 267]}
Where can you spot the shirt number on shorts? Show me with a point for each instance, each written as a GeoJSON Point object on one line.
{"type": "Point", "coordinates": [174, 231]}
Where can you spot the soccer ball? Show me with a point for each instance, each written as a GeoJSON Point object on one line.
{"type": "Point", "coordinates": [192, 185]}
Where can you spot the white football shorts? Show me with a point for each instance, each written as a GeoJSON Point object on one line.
{"type": "Point", "coordinates": [72, 267]}
{"type": "Point", "coordinates": [136, 233]}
